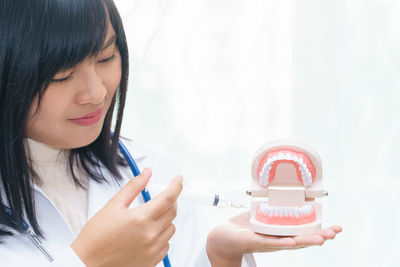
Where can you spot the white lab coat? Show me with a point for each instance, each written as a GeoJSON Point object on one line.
{"type": "Point", "coordinates": [187, 247]}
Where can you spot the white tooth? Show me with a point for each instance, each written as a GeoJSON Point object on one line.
{"type": "Point", "coordinates": [286, 212]}
{"type": "Point", "coordinates": [263, 208]}
{"type": "Point", "coordinates": [264, 179]}
{"type": "Point", "coordinates": [276, 212]}
{"type": "Point", "coordinates": [269, 161]}
{"type": "Point", "coordinates": [300, 160]}
{"type": "Point", "coordinates": [281, 212]}
{"type": "Point", "coordinates": [296, 213]}
{"type": "Point", "coordinates": [302, 211]}
{"type": "Point", "coordinates": [265, 172]}
{"type": "Point", "coordinates": [267, 207]}
{"type": "Point", "coordinates": [308, 207]}
{"type": "Point", "coordinates": [291, 212]}
{"type": "Point", "coordinates": [308, 181]}
{"type": "Point", "coordinates": [270, 212]}
{"type": "Point", "coordinates": [275, 158]}
{"type": "Point", "coordinates": [270, 209]}
{"type": "Point", "coordinates": [287, 156]}
{"type": "Point", "coordinates": [264, 167]}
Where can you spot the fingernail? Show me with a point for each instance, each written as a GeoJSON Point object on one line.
{"type": "Point", "coordinates": [146, 172]}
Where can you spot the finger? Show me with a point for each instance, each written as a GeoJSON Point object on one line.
{"type": "Point", "coordinates": [167, 234]}
{"type": "Point", "coordinates": [263, 242]}
{"type": "Point", "coordinates": [297, 247]}
{"type": "Point", "coordinates": [166, 218]}
{"type": "Point", "coordinates": [167, 198]}
{"type": "Point", "coordinates": [336, 228]}
{"type": "Point", "coordinates": [278, 249]}
{"type": "Point", "coordinates": [161, 254]}
{"type": "Point", "coordinates": [309, 240]}
{"type": "Point", "coordinates": [130, 191]}
{"type": "Point", "coordinates": [327, 233]}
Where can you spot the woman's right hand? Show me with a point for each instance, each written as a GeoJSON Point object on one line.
{"type": "Point", "coordinates": [117, 236]}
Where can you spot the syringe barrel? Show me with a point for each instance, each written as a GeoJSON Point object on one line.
{"type": "Point", "coordinates": [200, 197]}
{"type": "Point", "coordinates": [188, 194]}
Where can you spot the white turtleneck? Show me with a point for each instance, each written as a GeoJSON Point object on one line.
{"type": "Point", "coordinates": [57, 183]}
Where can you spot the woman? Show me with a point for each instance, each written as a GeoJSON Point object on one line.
{"type": "Point", "coordinates": [63, 72]}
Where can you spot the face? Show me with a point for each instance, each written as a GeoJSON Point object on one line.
{"type": "Point", "coordinates": [73, 108]}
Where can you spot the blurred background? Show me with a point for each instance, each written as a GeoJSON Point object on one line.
{"type": "Point", "coordinates": [211, 81]}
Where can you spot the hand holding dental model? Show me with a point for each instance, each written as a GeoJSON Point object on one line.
{"type": "Point", "coordinates": [290, 175]}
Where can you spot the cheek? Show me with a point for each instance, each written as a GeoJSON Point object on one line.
{"type": "Point", "coordinates": [50, 115]}
{"type": "Point", "coordinates": [112, 76]}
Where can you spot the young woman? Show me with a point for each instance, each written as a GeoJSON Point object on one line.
{"type": "Point", "coordinates": [63, 75]}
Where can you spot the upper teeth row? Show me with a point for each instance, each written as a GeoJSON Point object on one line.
{"type": "Point", "coordinates": [305, 173]}
{"type": "Point", "coordinates": [285, 211]}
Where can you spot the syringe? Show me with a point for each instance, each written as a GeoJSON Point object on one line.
{"type": "Point", "coordinates": [210, 199]}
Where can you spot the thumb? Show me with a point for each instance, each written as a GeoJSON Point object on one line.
{"type": "Point", "coordinates": [130, 191]}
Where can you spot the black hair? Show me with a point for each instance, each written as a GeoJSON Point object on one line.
{"type": "Point", "coordinates": [38, 38]}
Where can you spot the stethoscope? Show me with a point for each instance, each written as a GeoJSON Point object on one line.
{"type": "Point", "coordinates": [45, 251]}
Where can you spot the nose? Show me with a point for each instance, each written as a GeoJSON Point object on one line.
{"type": "Point", "coordinates": [92, 90]}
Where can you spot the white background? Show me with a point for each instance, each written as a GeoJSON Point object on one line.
{"type": "Point", "coordinates": [211, 81]}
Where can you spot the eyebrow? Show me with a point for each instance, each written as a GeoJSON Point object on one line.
{"type": "Point", "coordinates": [109, 42]}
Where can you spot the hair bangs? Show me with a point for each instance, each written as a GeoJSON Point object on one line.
{"type": "Point", "coordinates": [76, 30]}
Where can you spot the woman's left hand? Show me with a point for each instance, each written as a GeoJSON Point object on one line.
{"type": "Point", "coordinates": [227, 243]}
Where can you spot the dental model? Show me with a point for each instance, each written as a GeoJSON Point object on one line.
{"type": "Point", "coordinates": [286, 179]}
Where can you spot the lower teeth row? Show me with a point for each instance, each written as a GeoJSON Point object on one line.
{"type": "Point", "coordinates": [286, 211]}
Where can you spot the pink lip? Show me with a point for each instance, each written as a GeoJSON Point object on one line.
{"type": "Point", "coordinates": [89, 119]}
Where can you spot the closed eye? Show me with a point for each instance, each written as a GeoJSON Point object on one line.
{"type": "Point", "coordinates": [61, 80]}
{"type": "Point", "coordinates": [106, 59]}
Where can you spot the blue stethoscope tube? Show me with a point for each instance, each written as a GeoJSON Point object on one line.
{"type": "Point", "coordinates": [145, 194]}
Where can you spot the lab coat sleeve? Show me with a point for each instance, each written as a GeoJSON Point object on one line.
{"type": "Point", "coordinates": [67, 258]}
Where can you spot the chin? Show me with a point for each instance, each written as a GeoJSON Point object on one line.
{"type": "Point", "coordinates": [82, 140]}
